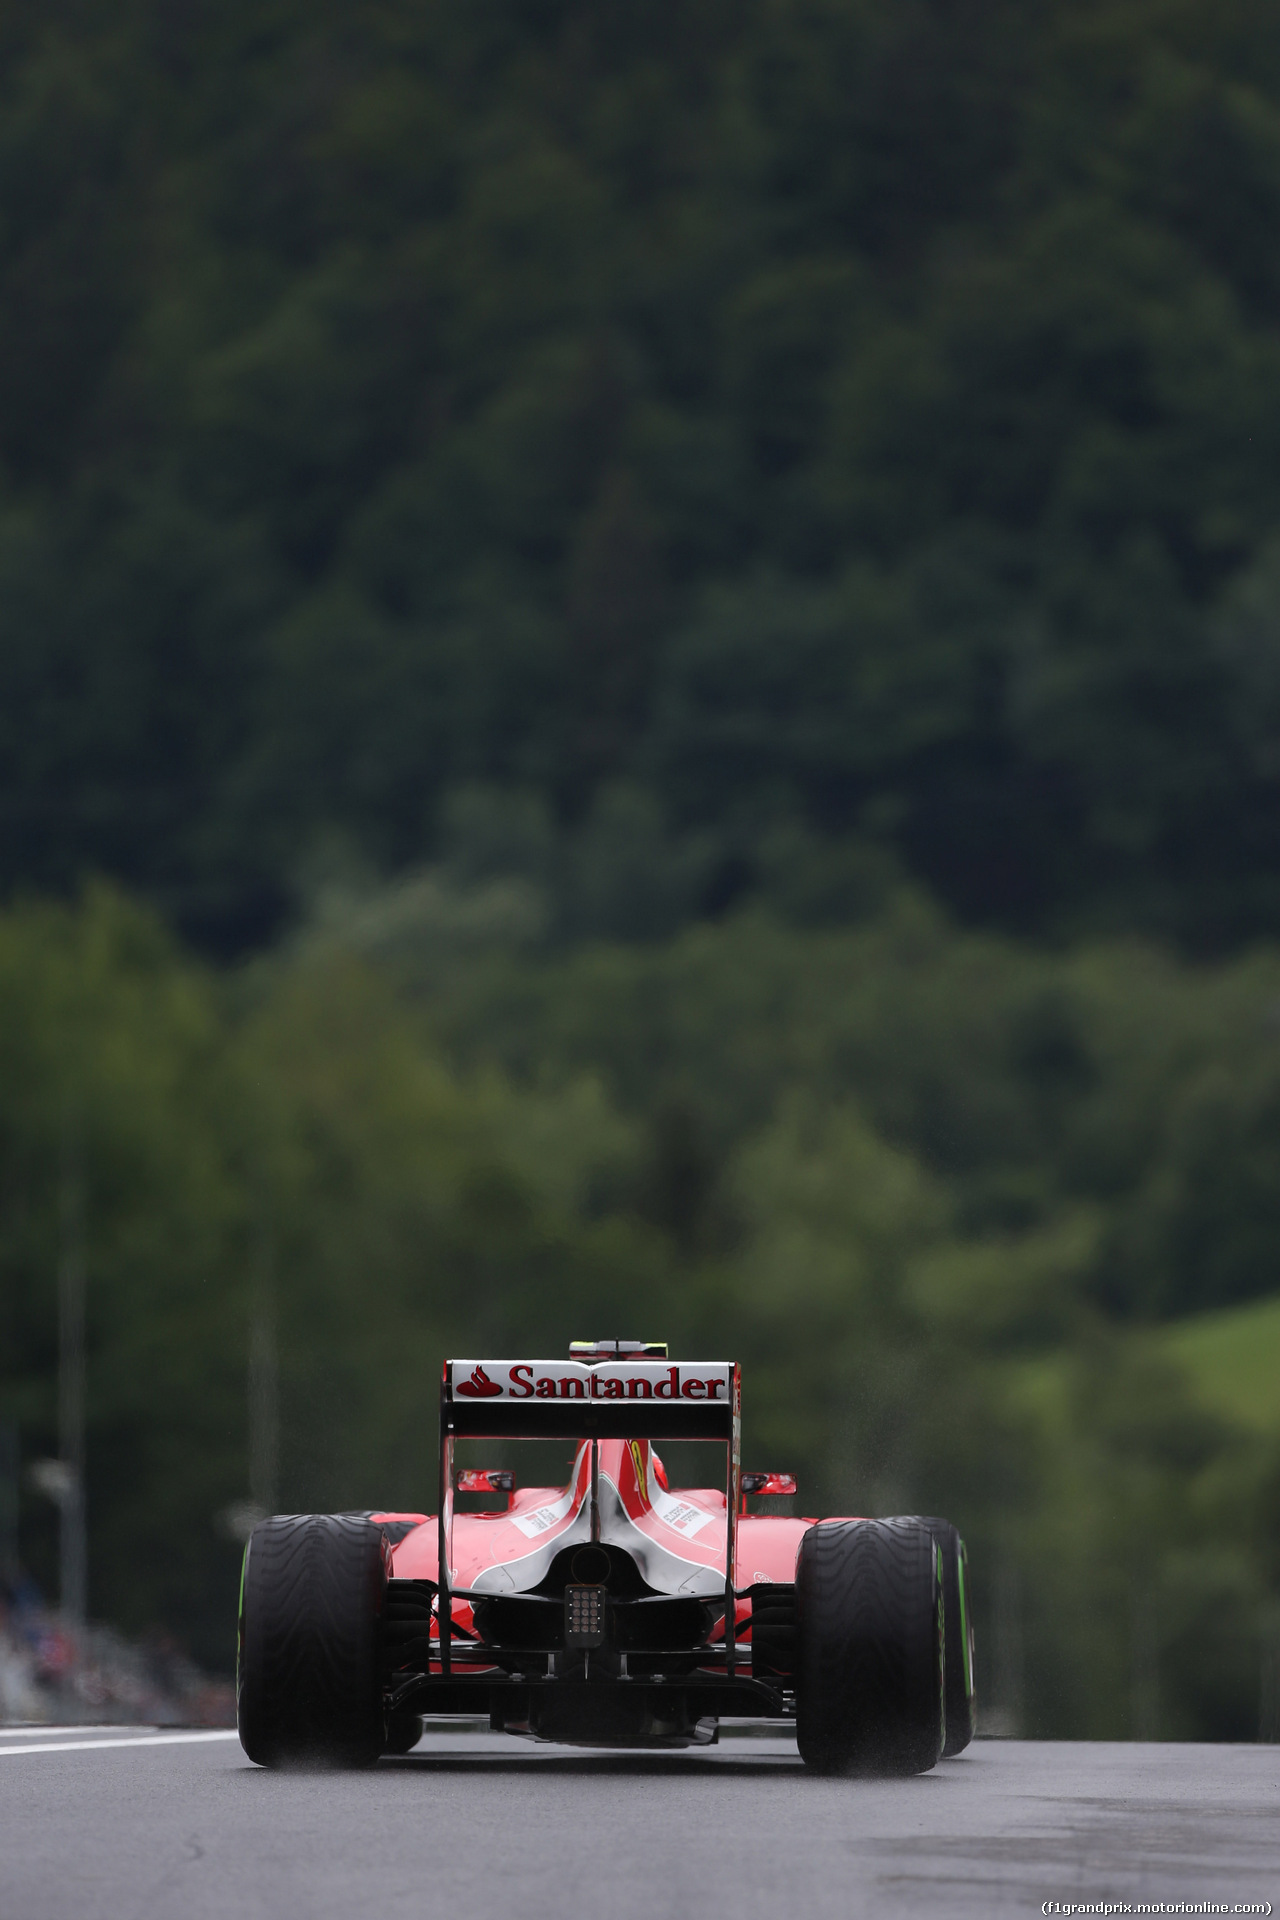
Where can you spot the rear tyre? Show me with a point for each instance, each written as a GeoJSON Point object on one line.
{"type": "Point", "coordinates": [962, 1698]}
{"type": "Point", "coordinates": [308, 1686]}
{"type": "Point", "coordinates": [962, 1692]}
{"type": "Point", "coordinates": [870, 1627]}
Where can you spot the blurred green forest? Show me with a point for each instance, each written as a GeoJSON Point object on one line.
{"type": "Point", "coordinates": [721, 421]}
{"type": "Point", "coordinates": [939, 1192]}
{"type": "Point", "coordinates": [640, 693]}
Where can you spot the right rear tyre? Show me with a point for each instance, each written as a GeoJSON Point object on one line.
{"type": "Point", "coordinates": [308, 1683]}
{"type": "Point", "coordinates": [962, 1697]}
{"type": "Point", "coordinates": [870, 1627]}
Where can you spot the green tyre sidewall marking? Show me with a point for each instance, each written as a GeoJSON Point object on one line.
{"type": "Point", "coordinates": [941, 1585]}
{"type": "Point", "coordinates": [244, 1569]}
{"type": "Point", "coordinates": [962, 1581]}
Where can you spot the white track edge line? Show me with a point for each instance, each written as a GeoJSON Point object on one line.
{"type": "Point", "coordinates": [143, 1740]}
{"type": "Point", "coordinates": [65, 1733]}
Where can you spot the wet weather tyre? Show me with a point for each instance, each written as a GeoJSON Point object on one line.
{"type": "Point", "coordinates": [962, 1697]}
{"type": "Point", "coordinates": [308, 1684]}
{"type": "Point", "coordinates": [870, 1626]}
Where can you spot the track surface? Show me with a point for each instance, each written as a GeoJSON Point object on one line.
{"type": "Point", "coordinates": [474, 1826]}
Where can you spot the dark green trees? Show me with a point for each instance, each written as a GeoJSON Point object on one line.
{"type": "Point", "coordinates": [807, 416]}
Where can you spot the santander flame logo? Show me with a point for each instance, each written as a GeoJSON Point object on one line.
{"type": "Point", "coordinates": [479, 1386]}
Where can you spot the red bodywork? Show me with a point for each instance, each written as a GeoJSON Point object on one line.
{"type": "Point", "coordinates": [686, 1527]}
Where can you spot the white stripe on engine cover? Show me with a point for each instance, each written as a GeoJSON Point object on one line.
{"type": "Point", "coordinates": [663, 1569]}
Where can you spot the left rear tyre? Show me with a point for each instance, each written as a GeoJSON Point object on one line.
{"type": "Point", "coordinates": [308, 1685]}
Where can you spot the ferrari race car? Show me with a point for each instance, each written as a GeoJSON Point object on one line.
{"type": "Point", "coordinates": [613, 1611]}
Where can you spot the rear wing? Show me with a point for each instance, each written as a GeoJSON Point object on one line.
{"type": "Point", "coordinates": [604, 1400]}
{"type": "Point", "coordinates": [612, 1399]}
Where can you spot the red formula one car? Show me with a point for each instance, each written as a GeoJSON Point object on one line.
{"type": "Point", "coordinates": [613, 1611]}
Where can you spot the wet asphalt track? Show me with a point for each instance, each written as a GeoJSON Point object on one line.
{"type": "Point", "coordinates": [476, 1825]}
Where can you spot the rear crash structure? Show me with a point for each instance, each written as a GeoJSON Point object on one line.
{"type": "Point", "coordinates": [613, 1610]}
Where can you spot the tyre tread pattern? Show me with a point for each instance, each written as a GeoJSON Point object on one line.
{"type": "Point", "coordinates": [309, 1685]}
{"type": "Point", "coordinates": [870, 1628]}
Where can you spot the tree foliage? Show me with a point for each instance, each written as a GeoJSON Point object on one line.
{"type": "Point", "coordinates": [798, 414]}
{"type": "Point", "coordinates": [632, 556]}
{"type": "Point", "coordinates": [930, 1188]}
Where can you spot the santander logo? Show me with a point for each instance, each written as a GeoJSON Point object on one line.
{"type": "Point", "coordinates": [620, 1380]}
{"type": "Point", "coordinates": [479, 1386]}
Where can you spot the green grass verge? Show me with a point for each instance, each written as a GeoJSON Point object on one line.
{"type": "Point", "coordinates": [1233, 1360]}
